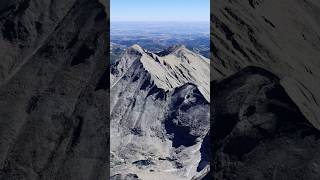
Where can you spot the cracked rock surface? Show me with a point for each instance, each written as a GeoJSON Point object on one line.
{"type": "Point", "coordinates": [257, 131]}
{"type": "Point", "coordinates": [53, 101]}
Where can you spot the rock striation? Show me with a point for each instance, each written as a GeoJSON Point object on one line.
{"type": "Point", "coordinates": [53, 89]}
{"type": "Point", "coordinates": [258, 132]}
{"type": "Point", "coordinates": [279, 36]}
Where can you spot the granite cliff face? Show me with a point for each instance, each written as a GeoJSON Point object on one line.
{"type": "Point", "coordinates": [53, 89]}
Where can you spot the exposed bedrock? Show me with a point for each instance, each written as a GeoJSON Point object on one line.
{"type": "Point", "coordinates": [281, 36]}
{"type": "Point", "coordinates": [53, 90]}
{"type": "Point", "coordinates": [159, 114]}
{"type": "Point", "coordinates": [257, 131]}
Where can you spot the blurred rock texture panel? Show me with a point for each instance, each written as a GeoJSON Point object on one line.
{"type": "Point", "coordinates": [53, 89]}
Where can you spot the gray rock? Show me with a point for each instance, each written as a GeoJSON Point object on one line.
{"type": "Point", "coordinates": [129, 176]}
{"type": "Point", "coordinates": [258, 132]}
{"type": "Point", "coordinates": [159, 116]}
{"type": "Point", "coordinates": [53, 98]}
{"type": "Point", "coordinates": [281, 36]}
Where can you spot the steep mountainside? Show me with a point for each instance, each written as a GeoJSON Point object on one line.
{"type": "Point", "coordinates": [159, 115]}
{"type": "Point", "coordinates": [282, 36]}
{"type": "Point", "coordinates": [265, 102]}
{"type": "Point", "coordinates": [169, 69]}
{"type": "Point", "coordinates": [258, 132]}
{"type": "Point", "coordinates": [53, 106]}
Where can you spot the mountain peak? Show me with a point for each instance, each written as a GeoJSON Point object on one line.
{"type": "Point", "coordinates": [177, 47]}
{"type": "Point", "coordinates": [172, 50]}
{"type": "Point", "coordinates": [137, 47]}
{"type": "Point", "coordinates": [174, 69]}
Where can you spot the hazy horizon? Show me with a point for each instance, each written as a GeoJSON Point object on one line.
{"type": "Point", "coordinates": [160, 11]}
{"type": "Point", "coordinates": [159, 27]}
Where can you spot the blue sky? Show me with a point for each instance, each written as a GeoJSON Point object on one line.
{"type": "Point", "coordinates": [160, 10]}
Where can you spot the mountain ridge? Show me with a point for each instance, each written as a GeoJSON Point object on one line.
{"type": "Point", "coordinates": [156, 130]}
{"type": "Point", "coordinates": [169, 71]}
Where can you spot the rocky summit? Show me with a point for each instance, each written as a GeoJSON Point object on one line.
{"type": "Point", "coordinates": [159, 114]}
{"type": "Point", "coordinates": [56, 103]}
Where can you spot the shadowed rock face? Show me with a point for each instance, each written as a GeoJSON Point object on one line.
{"type": "Point", "coordinates": [186, 127]}
{"type": "Point", "coordinates": [156, 132]}
{"type": "Point", "coordinates": [281, 36]}
{"type": "Point", "coordinates": [129, 176]}
{"type": "Point", "coordinates": [53, 97]}
{"type": "Point", "coordinates": [257, 132]}
{"type": "Point", "coordinates": [264, 124]}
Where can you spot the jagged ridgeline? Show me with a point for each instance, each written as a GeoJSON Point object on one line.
{"type": "Point", "coordinates": [159, 114]}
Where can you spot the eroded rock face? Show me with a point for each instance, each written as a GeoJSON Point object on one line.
{"type": "Point", "coordinates": [258, 132]}
{"type": "Point", "coordinates": [281, 36]}
{"type": "Point", "coordinates": [264, 122]}
{"type": "Point", "coordinates": [53, 92]}
{"type": "Point", "coordinates": [159, 117]}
